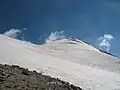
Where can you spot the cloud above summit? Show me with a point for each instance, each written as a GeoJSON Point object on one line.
{"type": "Point", "coordinates": [55, 36]}
{"type": "Point", "coordinates": [13, 33]}
{"type": "Point", "coordinates": [104, 42]}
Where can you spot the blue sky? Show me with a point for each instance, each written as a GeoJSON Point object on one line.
{"type": "Point", "coordinates": [86, 19]}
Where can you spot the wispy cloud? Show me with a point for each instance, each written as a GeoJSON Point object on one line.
{"type": "Point", "coordinates": [12, 33]}
{"type": "Point", "coordinates": [55, 36]}
{"type": "Point", "coordinates": [105, 42]}
{"type": "Point", "coordinates": [25, 28]}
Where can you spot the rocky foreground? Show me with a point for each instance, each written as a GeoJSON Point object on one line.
{"type": "Point", "coordinates": [17, 78]}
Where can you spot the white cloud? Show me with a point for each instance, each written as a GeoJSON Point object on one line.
{"type": "Point", "coordinates": [12, 33]}
{"type": "Point", "coordinates": [108, 37]}
{"type": "Point", "coordinates": [55, 36]}
{"type": "Point", "coordinates": [105, 42]}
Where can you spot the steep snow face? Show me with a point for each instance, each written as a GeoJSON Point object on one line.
{"type": "Point", "coordinates": [82, 53]}
{"type": "Point", "coordinates": [70, 60]}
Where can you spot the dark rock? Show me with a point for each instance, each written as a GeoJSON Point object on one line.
{"type": "Point", "coordinates": [17, 78]}
{"type": "Point", "coordinates": [25, 72]}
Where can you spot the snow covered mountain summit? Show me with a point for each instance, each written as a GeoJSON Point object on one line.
{"type": "Point", "coordinates": [71, 60]}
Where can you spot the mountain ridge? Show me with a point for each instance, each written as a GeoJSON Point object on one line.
{"type": "Point", "coordinates": [78, 40]}
{"type": "Point", "coordinates": [75, 39]}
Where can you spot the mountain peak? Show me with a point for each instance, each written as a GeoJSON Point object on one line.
{"type": "Point", "coordinates": [69, 59]}
{"type": "Point", "coordinates": [66, 40]}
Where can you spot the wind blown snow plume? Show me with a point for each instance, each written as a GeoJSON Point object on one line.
{"type": "Point", "coordinates": [105, 42]}
{"type": "Point", "coordinates": [55, 36]}
{"type": "Point", "coordinates": [12, 33]}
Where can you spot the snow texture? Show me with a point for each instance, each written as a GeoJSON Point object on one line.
{"type": "Point", "coordinates": [70, 60]}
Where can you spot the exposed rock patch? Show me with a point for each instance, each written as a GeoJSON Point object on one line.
{"type": "Point", "coordinates": [17, 78]}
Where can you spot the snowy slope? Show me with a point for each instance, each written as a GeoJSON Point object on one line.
{"type": "Point", "coordinates": [73, 61]}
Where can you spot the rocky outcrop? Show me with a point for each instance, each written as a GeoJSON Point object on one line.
{"type": "Point", "coordinates": [17, 78]}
